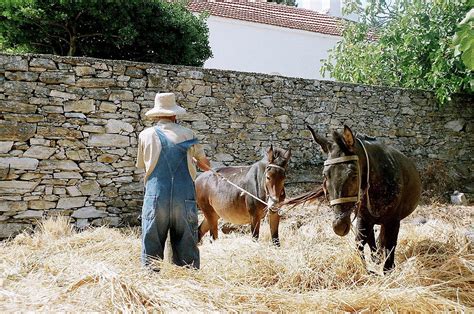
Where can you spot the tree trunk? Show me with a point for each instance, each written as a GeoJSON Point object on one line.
{"type": "Point", "coordinates": [72, 46]}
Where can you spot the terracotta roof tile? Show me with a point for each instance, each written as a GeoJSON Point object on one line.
{"type": "Point", "coordinates": [270, 13]}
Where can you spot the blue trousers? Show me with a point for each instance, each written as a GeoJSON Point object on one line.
{"type": "Point", "coordinates": [169, 205]}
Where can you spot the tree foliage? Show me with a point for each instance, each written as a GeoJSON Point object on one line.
{"type": "Point", "coordinates": [464, 41]}
{"type": "Point", "coordinates": [140, 30]}
{"type": "Point", "coordinates": [406, 43]}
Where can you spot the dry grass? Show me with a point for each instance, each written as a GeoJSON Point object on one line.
{"type": "Point", "coordinates": [57, 269]}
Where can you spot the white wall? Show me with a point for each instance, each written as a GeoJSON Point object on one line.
{"type": "Point", "coordinates": [252, 47]}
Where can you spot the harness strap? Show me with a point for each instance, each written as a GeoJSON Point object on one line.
{"type": "Point", "coordinates": [356, 199]}
{"type": "Point", "coordinates": [276, 166]}
{"type": "Point", "coordinates": [366, 190]}
{"type": "Point", "coordinates": [340, 160]}
{"type": "Point", "coordinates": [344, 200]}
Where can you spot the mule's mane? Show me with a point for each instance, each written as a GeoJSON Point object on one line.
{"type": "Point", "coordinates": [365, 137]}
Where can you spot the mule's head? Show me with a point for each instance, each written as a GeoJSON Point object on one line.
{"type": "Point", "coordinates": [275, 174]}
{"type": "Point", "coordinates": [341, 176]}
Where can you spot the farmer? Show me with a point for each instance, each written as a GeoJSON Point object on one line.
{"type": "Point", "coordinates": [166, 151]}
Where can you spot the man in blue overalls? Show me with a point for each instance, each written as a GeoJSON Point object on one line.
{"type": "Point", "coordinates": [166, 151]}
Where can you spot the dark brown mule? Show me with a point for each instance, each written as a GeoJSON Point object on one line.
{"type": "Point", "coordinates": [380, 183]}
{"type": "Point", "coordinates": [264, 179]}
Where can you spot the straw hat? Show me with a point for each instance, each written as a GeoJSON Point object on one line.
{"type": "Point", "coordinates": [165, 106]}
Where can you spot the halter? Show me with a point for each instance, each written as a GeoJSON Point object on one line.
{"type": "Point", "coordinates": [275, 166]}
{"type": "Point", "coordinates": [350, 199]}
{"type": "Point", "coordinates": [274, 209]}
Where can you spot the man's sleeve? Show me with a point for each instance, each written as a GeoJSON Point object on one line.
{"type": "Point", "coordinates": [140, 162]}
{"type": "Point", "coordinates": [198, 151]}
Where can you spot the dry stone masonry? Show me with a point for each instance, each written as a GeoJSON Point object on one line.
{"type": "Point", "coordinates": [69, 127]}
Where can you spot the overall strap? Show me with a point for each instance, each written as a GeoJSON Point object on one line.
{"type": "Point", "coordinates": [165, 142]}
{"type": "Point", "coordinates": [188, 143]}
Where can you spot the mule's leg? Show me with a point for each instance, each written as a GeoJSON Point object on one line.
{"type": "Point", "coordinates": [209, 222]}
{"type": "Point", "coordinates": [203, 228]}
{"type": "Point", "coordinates": [255, 226]}
{"type": "Point", "coordinates": [274, 219]}
{"type": "Point", "coordinates": [365, 235]}
{"type": "Point", "coordinates": [390, 243]}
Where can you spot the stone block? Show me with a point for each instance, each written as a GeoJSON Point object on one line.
{"type": "Point", "coordinates": [44, 63]}
{"type": "Point", "coordinates": [71, 202]}
{"type": "Point", "coordinates": [95, 167]}
{"type": "Point", "coordinates": [39, 152]}
{"type": "Point", "coordinates": [12, 229]}
{"type": "Point", "coordinates": [85, 106]}
{"type": "Point", "coordinates": [41, 204]}
{"type": "Point", "coordinates": [17, 187]}
{"type": "Point", "coordinates": [130, 188]}
{"type": "Point", "coordinates": [22, 76]}
{"type": "Point", "coordinates": [16, 107]}
{"type": "Point", "coordinates": [95, 82]}
{"type": "Point", "coordinates": [30, 214]}
{"type": "Point", "coordinates": [120, 95]}
{"type": "Point", "coordinates": [84, 70]}
{"type": "Point", "coordinates": [88, 212]}
{"type": "Point", "coordinates": [93, 128]}
{"type": "Point", "coordinates": [67, 175]}
{"type": "Point", "coordinates": [116, 126]}
{"type": "Point", "coordinates": [14, 63]}
{"type": "Point", "coordinates": [108, 107]}
{"type": "Point", "coordinates": [57, 77]}
{"type": "Point", "coordinates": [107, 158]}
{"type": "Point", "coordinates": [73, 191]}
{"type": "Point", "coordinates": [58, 94]}
{"type": "Point", "coordinates": [5, 147]}
{"type": "Point", "coordinates": [108, 140]}
{"type": "Point", "coordinates": [89, 187]}
{"type": "Point", "coordinates": [10, 206]}
{"type": "Point", "coordinates": [67, 165]}
{"type": "Point", "coordinates": [19, 163]}
{"type": "Point", "coordinates": [134, 72]}
{"type": "Point", "coordinates": [59, 133]}
{"type": "Point", "coordinates": [455, 125]}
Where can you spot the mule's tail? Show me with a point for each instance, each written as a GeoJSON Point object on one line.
{"type": "Point", "coordinates": [310, 196]}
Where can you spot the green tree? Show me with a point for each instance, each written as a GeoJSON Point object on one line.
{"type": "Point", "coordinates": [285, 2]}
{"type": "Point", "coordinates": [140, 30]}
{"type": "Point", "coordinates": [407, 43]}
{"type": "Point", "coordinates": [464, 41]}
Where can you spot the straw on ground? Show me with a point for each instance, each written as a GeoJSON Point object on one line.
{"type": "Point", "coordinates": [58, 269]}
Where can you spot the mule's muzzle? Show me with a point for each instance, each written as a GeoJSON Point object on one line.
{"type": "Point", "coordinates": [342, 223]}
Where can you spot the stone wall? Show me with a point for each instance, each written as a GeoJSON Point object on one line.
{"type": "Point", "coordinates": [69, 127]}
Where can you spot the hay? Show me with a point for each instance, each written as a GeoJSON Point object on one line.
{"type": "Point", "coordinates": [57, 269]}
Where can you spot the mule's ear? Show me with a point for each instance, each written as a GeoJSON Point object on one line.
{"type": "Point", "coordinates": [287, 156]}
{"type": "Point", "coordinates": [348, 137]}
{"type": "Point", "coordinates": [270, 154]}
{"type": "Point", "coordinates": [322, 141]}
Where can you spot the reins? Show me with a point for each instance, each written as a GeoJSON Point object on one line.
{"type": "Point", "coordinates": [271, 208]}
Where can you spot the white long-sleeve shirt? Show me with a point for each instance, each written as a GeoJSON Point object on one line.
{"type": "Point", "coordinates": [149, 146]}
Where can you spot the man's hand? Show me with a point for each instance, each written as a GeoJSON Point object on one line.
{"type": "Point", "coordinates": [203, 163]}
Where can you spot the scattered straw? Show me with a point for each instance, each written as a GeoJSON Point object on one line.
{"type": "Point", "coordinates": [58, 269]}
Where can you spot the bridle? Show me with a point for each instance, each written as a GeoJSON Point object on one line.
{"type": "Point", "coordinates": [273, 209]}
{"type": "Point", "coordinates": [354, 199]}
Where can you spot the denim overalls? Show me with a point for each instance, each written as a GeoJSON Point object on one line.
{"type": "Point", "coordinates": [169, 205]}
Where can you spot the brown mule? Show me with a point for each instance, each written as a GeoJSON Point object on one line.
{"type": "Point", "coordinates": [378, 182]}
{"type": "Point", "coordinates": [219, 199]}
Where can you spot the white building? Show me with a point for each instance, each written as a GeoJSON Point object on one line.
{"type": "Point", "coordinates": [267, 37]}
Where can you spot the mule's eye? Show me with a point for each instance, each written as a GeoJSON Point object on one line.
{"type": "Point", "coordinates": [268, 178]}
